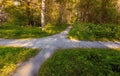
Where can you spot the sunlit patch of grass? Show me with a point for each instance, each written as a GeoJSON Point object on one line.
{"type": "Point", "coordinates": [55, 28]}
{"type": "Point", "coordinates": [10, 30]}
{"type": "Point", "coordinates": [72, 38]}
{"type": "Point", "coordinates": [95, 32]}
{"type": "Point", "coordinates": [8, 69]}
{"type": "Point", "coordinates": [82, 62]}
{"type": "Point", "coordinates": [10, 57]}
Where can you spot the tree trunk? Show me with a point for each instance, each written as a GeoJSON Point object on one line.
{"type": "Point", "coordinates": [28, 13]}
{"type": "Point", "coordinates": [43, 15]}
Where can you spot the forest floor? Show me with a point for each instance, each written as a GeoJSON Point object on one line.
{"type": "Point", "coordinates": [48, 46]}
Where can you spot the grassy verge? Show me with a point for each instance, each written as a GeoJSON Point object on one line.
{"type": "Point", "coordinates": [9, 57]}
{"type": "Point", "coordinates": [83, 62]}
{"type": "Point", "coordinates": [89, 31]}
{"type": "Point", "coordinates": [10, 30]}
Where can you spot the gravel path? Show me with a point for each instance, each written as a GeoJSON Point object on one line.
{"type": "Point", "coordinates": [48, 46]}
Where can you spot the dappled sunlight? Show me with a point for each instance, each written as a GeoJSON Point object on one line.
{"type": "Point", "coordinates": [73, 39]}
{"type": "Point", "coordinates": [7, 69]}
{"type": "Point", "coordinates": [118, 49]}
{"type": "Point", "coordinates": [12, 31]}
{"type": "Point", "coordinates": [19, 43]}
{"type": "Point", "coordinates": [49, 45]}
{"type": "Point", "coordinates": [12, 57]}
{"type": "Point", "coordinates": [48, 25]}
{"type": "Point", "coordinates": [110, 44]}
{"type": "Point", "coordinates": [58, 40]}
{"type": "Point", "coordinates": [32, 66]}
{"type": "Point", "coordinates": [25, 71]}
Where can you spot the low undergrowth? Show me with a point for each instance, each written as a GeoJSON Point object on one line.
{"type": "Point", "coordinates": [11, 56]}
{"type": "Point", "coordinates": [13, 31]}
{"type": "Point", "coordinates": [82, 62]}
{"type": "Point", "coordinates": [89, 31]}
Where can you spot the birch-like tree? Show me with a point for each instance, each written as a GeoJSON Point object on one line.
{"type": "Point", "coordinates": [43, 15]}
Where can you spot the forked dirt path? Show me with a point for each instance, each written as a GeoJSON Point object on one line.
{"type": "Point", "coordinates": [48, 46]}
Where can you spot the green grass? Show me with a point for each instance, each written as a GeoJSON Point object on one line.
{"type": "Point", "coordinates": [82, 62]}
{"type": "Point", "coordinates": [11, 56]}
{"type": "Point", "coordinates": [10, 30]}
{"type": "Point", "coordinates": [89, 31]}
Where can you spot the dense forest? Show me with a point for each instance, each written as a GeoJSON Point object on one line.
{"type": "Point", "coordinates": [29, 12]}
{"type": "Point", "coordinates": [90, 28]}
{"type": "Point", "coordinates": [102, 18]}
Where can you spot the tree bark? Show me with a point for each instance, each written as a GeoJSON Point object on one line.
{"type": "Point", "coordinates": [43, 15]}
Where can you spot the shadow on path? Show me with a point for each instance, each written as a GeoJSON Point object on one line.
{"type": "Point", "coordinates": [49, 46]}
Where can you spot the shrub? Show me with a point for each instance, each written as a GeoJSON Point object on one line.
{"type": "Point", "coordinates": [10, 57]}
{"type": "Point", "coordinates": [89, 31]}
{"type": "Point", "coordinates": [82, 62]}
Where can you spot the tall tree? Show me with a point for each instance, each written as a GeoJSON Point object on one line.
{"type": "Point", "coordinates": [43, 15]}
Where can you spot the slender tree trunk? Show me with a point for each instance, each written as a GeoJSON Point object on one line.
{"type": "Point", "coordinates": [117, 10]}
{"type": "Point", "coordinates": [28, 13]}
{"type": "Point", "coordinates": [60, 19]}
{"type": "Point", "coordinates": [104, 11]}
{"type": "Point", "coordinates": [43, 15]}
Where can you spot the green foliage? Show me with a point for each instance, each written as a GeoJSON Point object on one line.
{"type": "Point", "coordinates": [18, 15]}
{"type": "Point", "coordinates": [97, 11]}
{"type": "Point", "coordinates": [10, 57]}
{"type": "Point", "coordinates": [89, 31]}
{"type": "Point", "coordinates": [28, 13]}
{"type": "Point", "coordinates": [11, 30]}
{"type": "Point", "coordinates": [25, 13]}
{"type": "Point", "coordinates": [82, 62]}
{"type": "Point", "coordinates": [62, 11]}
